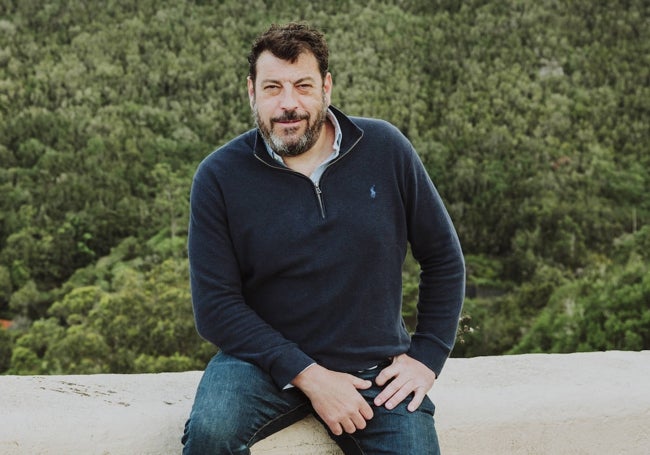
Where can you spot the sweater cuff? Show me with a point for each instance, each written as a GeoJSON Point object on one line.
{"type": "Point", "coordinates": [430, 352]}
{"type": "Point", "coordinates": [288, 365]}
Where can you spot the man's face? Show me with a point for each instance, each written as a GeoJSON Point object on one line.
{"type": "Point", "coordinates": [289, 102]}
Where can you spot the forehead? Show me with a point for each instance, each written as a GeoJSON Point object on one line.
{"type": "Point", "coordinates": [270, 67]}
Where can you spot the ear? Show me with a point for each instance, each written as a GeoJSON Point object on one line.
{"type": "Point", "coordinates": [251, 91]}
{"type": "Point", "coordinates": [327, 88]}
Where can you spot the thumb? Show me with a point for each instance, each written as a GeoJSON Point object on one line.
{"type": "Point", "coordinates": [384, 376]}
{"type": "Point", "coordinates": [361, 384]}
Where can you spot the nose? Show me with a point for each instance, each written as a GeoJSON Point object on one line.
{"type": "Point", "coordinates": [288, 99]}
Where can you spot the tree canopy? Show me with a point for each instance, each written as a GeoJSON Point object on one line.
{"type": "Point", "coordinates": [531, 117]}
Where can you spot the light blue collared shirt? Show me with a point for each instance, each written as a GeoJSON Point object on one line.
{"type": "Point", "coordinates": [318, 172]}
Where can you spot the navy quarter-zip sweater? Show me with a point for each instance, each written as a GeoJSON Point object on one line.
{"type": "Point", "coordinates": [284, 273]}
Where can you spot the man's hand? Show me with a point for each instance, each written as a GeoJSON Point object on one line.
{"type": "Point", "coordinates": [408, 376]}
{"type": "Point", "coordinates": [335, 398]}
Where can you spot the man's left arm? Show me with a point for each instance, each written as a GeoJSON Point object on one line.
{"type": "Point", "coordinates": [436, 247]}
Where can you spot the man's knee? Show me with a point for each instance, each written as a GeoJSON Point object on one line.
{"type": "Point", "coordinates": [205, 435]}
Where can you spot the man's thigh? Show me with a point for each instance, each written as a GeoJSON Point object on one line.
{"type": "Point", "coordinates": [236, 405]}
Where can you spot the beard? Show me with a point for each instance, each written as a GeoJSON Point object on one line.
{"type": "Point", "coordinates": [285, 143]}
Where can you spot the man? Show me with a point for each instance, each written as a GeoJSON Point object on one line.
{"type": "Point", "coordinates": [298, 232]}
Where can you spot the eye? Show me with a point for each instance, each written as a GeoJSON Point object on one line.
{"type": "Point", "coordinates": [305, 87]}
{"type": "Point", "coordinates": [271, 88]}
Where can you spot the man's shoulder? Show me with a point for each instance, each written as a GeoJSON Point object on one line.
{"type": "Point", "coordinates": [381, 133]}
{"type": "Point", "coordinates": [374, 126]}
{"type": "Point", "coordinates": [364, 123]}
{"type": "Point", "coordinates": [233, 150]}
{"type": "Point", "coordinates": [242, 144]}
{"type": "Point", "coordinates": [371, 122]}
{"type": "Point", "coordinates": [220, 163]}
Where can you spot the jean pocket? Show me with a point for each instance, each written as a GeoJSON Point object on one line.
{"type": "Point", "coordinates": [427, 406]}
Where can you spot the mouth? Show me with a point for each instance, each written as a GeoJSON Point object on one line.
{"type": "Point", "coordinates": [291, 118]}
{"type": "Point", "coordinates": [288, 122]}
{"type": "Point", "coordinates": [288, 127]}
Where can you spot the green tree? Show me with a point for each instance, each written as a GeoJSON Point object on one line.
{"type": "Point", "coordinates": [607, 308]}
{"type": "Point", "coordinates": [6, 350]}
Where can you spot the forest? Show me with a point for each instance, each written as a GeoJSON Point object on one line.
{"type": "Point", "coordinates": [531, 116]}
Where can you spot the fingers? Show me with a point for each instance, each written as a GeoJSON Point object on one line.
{"type": "Point", "coordinates": [338, 428]}
{"type": "Point", "coordinates": [351, 422]}
{"type": "Point", "coordinates": [387, 374]}
{"type": "Point", "coordinates": [355, 423]}
{"type": "Point", "coordinates": [393, 394]}
{"type": "Point", "coordinates": [418, 397]}
{"type": "Point", "coordinates": [366, 411]}
{"type": "Point", "coordinates": [384, 376]}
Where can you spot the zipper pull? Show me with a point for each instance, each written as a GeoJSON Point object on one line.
{"type": "Point", "coordinates": [319, 196]}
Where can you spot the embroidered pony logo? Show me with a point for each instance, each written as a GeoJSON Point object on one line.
{"type": "Point", "coordinates": [373, 192]}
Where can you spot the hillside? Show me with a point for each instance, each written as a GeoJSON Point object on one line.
{"type": "Point", "coordinates": [531, 117]}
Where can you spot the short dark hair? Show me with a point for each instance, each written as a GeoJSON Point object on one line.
{"type": "Point", "coordinates": [287, 42]}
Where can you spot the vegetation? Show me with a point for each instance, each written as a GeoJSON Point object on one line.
{"type": "Point", "coordinates": [531, 116]}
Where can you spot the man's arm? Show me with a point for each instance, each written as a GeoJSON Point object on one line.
{"type": "Point", "coordinates": [436, 247]}
{"type": "Point", "coordinates": [221, 313]}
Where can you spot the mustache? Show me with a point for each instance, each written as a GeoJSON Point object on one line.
{"type": "Point", "coordinates": [289, 116]}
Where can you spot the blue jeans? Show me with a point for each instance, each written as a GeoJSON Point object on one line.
{"type": "Point", "coordinates": [237, 404]}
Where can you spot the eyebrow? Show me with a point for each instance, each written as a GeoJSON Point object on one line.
{"type": "Point", "coordinates": [298, 81]}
